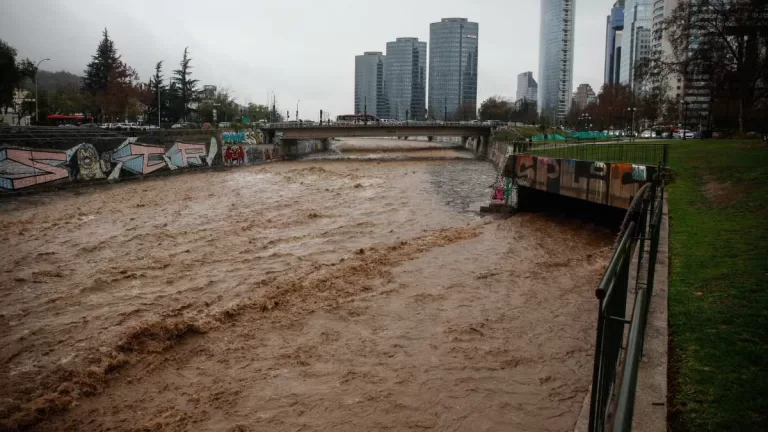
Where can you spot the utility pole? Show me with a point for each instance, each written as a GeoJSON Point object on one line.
{"type": "Point", "coordinates": [297, 110]}
{"type": "Point", "coordinates": [158, 104]}
{"type": "Point", "coordinates": [365, 110]}
{"type": "Point", "coordinates": [37, 110]}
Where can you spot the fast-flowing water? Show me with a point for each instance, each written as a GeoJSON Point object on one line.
{"type": "Point", "coordinates": [358, 294]}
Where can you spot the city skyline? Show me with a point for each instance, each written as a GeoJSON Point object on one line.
{"type": "Point", "coordinates": [233, 52]}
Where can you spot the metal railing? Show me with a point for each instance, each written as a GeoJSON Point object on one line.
{"type": "Point", "coordinates": [614, 379]}
{"type": "Point", "coordinates": [624, 152]}
{"type": "Point", "coordinates": [374, 124]}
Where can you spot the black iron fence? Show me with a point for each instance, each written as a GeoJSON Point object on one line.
{"type": "Point", "coordinates": [615, 370]}
{"type": "Point", "coordinates": [638, 152]}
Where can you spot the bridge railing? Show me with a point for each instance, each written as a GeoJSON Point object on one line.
{"type": "Point", "coordinates": [615, 369]}
{"type": "Point", "coordinates": [373, 124]}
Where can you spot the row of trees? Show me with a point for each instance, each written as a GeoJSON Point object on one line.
{"type": "Point", "coordinates": [111, 91]}
{"type": "Point", "coordinates": [12, 74]}
{"type": "Point", "coordinates": [498, 108]}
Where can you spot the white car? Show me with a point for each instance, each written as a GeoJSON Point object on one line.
{"type": "Point", "coordinates": [646, 134]}
{"type": "Point", "coordinates": [680, 133]}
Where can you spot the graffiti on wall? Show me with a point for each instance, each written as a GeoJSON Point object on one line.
{"type": "Point", "coordinates": [613, 184]}
{"type": "Point", "coordinates": [23, 167]}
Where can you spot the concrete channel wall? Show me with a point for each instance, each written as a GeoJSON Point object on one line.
{"type": "Point", "coordinates": [611, 184]}
{"type": "Point", "coordinates": [31, 166]}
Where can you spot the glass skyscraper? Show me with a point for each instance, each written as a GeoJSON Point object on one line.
{"type": "Point", "coordinates": [556, 57]}
{"type": "Point", "coordinates": [614, 24]}
{"type": "Point", "coordinates": [369, 84]}
{"type": "Point", "coordinates": [453, 69]}
{"type": "Point", "coordinates": [405, 78]}
{"type": "Point", "coordinates": [637, 19]}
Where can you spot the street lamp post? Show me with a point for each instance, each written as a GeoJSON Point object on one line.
{"type": "Point", "coordinates": [365, 110]}
{"type": "Point", "coordinates": [685, 114]}
{"type": "Point", "coordinates": [37, 110]}
{"type": "Point", "coordinates": [297, 110]}
{"type": "Point", "coordinates": [632, 125]}
{"type": "Point", "coordinates": [273, 115]}
{"type": "Point", "coordinates": [158, 103]}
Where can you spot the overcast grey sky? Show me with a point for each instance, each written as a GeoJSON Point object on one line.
{"type": "Point", "coordinates": [300, 49]}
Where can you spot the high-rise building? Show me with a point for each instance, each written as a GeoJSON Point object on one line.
{"type": "Point", "coordinates": [405, 78]}
{"type": "Point", "coordinates": [556, 57]}
{"type": "Point", "coordinates": [661, 49]}
{"type": "Point", "coordinates": [526, 87]}
{"type": "Point", "coordinates": [614, 23]}
{"type": "Point", "coordinates": [369, 84]}
{"type": "Point", "coordinates": [637, 26]}
{"type": "Point", "coordinates": [453, 68]}
{"type": "Point", "coordinates": [583, 96]}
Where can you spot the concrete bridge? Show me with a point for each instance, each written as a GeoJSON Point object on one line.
{"type": "Point", "coordinates": [289, 133]}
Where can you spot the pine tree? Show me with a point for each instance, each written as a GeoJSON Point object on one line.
{"type": "Point", "coordinates": [101, 66]}
{"type": "Point", "coordinates": [158, 89]}
{"type": "Point", "coordinates": [185, 85]}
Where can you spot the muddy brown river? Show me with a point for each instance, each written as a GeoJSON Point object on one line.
{"type": "Point", "coordinates": [360, 294]}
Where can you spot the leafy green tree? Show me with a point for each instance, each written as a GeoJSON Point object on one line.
{"type": "Point", "coordinates": [187, 87]}
{"type": "Point", "coordinates": [496, 108]}
{"type": "Point", "coordinates": [64, 101]}
{"type": "Point", "coordinates": [12, 74]}
{"type": "Point", "coordinates": [258, 112]}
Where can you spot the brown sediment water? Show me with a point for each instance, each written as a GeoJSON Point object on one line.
{"type": "Point", "coordinates": [308, 295]}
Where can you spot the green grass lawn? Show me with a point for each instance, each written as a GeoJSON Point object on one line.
{"type": "Point", "coordinates": [718, 287]}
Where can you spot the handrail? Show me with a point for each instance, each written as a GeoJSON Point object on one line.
{"type": "Point", "coordinates": [613, 266]}
{"type": "Point", "coordinates": [626, 396]}
{"type": "Point", "coordinates": [615, 376]}
{"type": "Point", "coordinates": [410, 124]}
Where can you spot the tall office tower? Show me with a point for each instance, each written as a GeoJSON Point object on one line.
{"type": "Point", "coordinates": [369, 84]}
{"type": "Point", "coordinates": [453, 69]}
{"type": "Point", "coordinates": [556, 57]}
{"type": "Point", "coordinates": [661, 49]}
{"type": "Point", "coordinates": [614, 23]}
{"type": "Point", "coordinates": [405, 78]}
{"type": "Point", "coordinates": [637, 24]}
{"type": "Point", "coordinates": [526, 87]}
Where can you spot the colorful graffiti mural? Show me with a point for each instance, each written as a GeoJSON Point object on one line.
{"type": "Point", "coordinates": [22, 168]}
{"type": "Point", "coordinates": [25, 167]}
{"type": "Point", "coordinates": [604, 183]}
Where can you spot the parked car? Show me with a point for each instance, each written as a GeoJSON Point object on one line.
{"type": "Point", "coordinates": [646, 134]}
{"type": "Point", "coordinates": [680, 133]}
{"type": "Point", "coordinates": [184, 125]}
{"type": "Point", "coordinates": [89, 125]}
